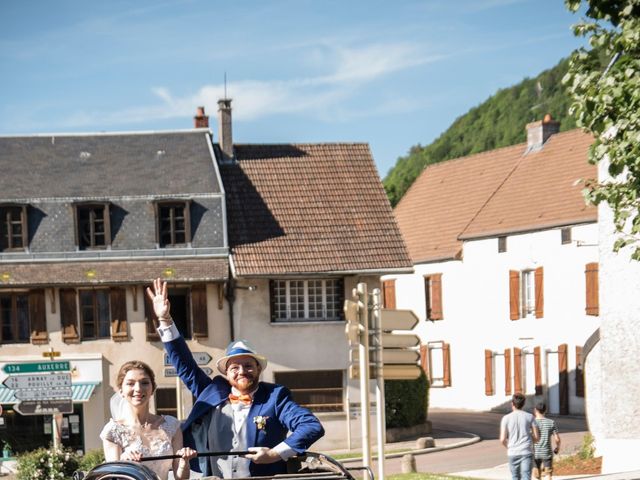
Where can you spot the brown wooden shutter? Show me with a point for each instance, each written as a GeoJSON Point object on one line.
{"type": "Point", "coordinates": [537, 366]}
{"type": "Point", "coordinates": [119, 330]}
{"type": "Point", "coordinates": [539, 279]}
{"type": "Point", "coordinates": [446, 362]}
{"type": "Point", "coordinates": [150, 320]}
{"type": "Point", "coordinates": [517, 370]}
{"type": "Point", "coordinates": [424, 361]}
{"type": "Point", "coordinates": [69, 315]}
{"type": "Point", "coordinates": [563, 379]}
{"type": "Point", "coordinates": [507, 371]}
{"type": "Point", "coordinates": [488, 372]}
{"type": "Point", "coordinates": [199, 309]}
{"type": "Point", "coordinates": [591, 277]}
{"type": "Point", "coordinates": [514, 294]}
{"type": "Point", "coordinates": [389, 289]}
{"type": "Point", "coordinates": [579, 373]}
{"type": "Point", "coordinates": [436, 297]}
{"type": "Point", "coordinates": [38, 317]}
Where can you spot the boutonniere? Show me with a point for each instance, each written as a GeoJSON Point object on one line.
{"type": "Point", "coordinates": [260, 421]}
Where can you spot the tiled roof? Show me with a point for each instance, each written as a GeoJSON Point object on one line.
{"type": "Point", "coordinates": [113, 272]}
{"type": "Point", "coordinates": [544, 191]}
{"type": "Point", "coordinates": [498, 192]}
{"type": "Point", "coordinates": [309, 208]}
{"type": "Point", "coordinates": [106, 165]}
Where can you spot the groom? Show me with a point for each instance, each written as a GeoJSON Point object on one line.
{"type": "Point", "coordinates": [235, 411]}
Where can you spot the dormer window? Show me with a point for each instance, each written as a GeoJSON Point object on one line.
{"type": "Point", "coordinates": [13, 229]}
{"type": "Point", "coordinates": [174, 223]}
{"type": "Point", "coordinates": [93, 226]}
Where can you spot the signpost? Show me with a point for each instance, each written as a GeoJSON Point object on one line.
{"type": "Point", "coordinates": [44, 407]}
{"type": "Point", "coordinates": [201, 358]}
{"type": "Point", "coordinates": [37, 367]}
{"type": "Point", "coordinates": [171, 372]}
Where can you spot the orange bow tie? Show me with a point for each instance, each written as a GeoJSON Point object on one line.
{"type": "Point", "coordinates": [246, 399]}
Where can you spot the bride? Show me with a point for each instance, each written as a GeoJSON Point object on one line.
{"type": "Point", "coordinates": [139, 433]}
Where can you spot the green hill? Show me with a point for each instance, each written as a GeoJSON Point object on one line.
{"type": "Point", "coordinates": [499, 121]}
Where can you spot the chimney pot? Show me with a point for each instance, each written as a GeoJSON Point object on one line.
{"type": "Point", "coordinates": [200, 120]}
{"type": "Point", "coordinates": [539, 132]}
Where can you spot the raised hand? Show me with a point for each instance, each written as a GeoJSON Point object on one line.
{"type": "Point", "coordinates": [160, 299]}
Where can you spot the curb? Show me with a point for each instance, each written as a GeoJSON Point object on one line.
{"type": "Point", "coordinates": [473, 438]}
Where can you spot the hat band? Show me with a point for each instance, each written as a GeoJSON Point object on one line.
{"type": "Point", "coordinates": [239, 351]}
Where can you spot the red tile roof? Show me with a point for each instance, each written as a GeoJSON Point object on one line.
{"type": "Point", "coordinates": [309, 208]}
{"type": "Point", "coordinates": [493, 193]}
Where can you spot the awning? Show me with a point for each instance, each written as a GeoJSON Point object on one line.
{"type": "Point", "coordinates": [81, 392]}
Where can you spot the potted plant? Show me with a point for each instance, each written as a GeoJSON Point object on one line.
{"type": "Point", "coordinates": [6, 449]}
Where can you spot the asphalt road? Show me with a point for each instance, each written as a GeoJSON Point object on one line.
{"type": "Point", "coordinates": [485, 454]}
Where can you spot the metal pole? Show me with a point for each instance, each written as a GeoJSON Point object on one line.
{"type": "Point", "coordinates": [179, 408]}
{"type": "Point", "coordinates": [348, 409]}
{"type": "Point", "coordinates": [376, 323]}
{"type": "Point", "coordinates": [364, 374]}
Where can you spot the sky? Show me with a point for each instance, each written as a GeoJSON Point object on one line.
{"type": "Point", "coordinates": [392, 74]}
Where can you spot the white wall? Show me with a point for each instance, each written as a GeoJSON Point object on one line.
{"type": "Point", "coordinates": [475, 294]}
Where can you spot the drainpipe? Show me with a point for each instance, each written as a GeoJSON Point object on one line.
{"type": "Point", "coordinates": [231, 297]}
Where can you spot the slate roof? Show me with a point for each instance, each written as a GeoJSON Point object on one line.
{"type": "Point", "coordinates": [495, 193]}
{"type": "Point", "coordinates": [309, 208]}
{"type": "Point", "coordinates": [113, 272]}
{"type": "Point", "coordinates": [106, 165]}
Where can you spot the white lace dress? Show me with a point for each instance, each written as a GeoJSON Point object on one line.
{"type": "Point", "coordinates": [149, 441]}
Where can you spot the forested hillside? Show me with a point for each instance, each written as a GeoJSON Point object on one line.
{"type": "Point", "coordinates": [499, 121]}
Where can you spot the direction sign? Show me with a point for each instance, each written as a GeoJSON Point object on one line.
{"type": "Point", "coordinates": [171, 372]}
{"type": "Point", "coordinates": [201, 358]}
{"type": "Point", "coordinates": [38, 367]}
{"type": "Point", "coordinates": [398, 319]}
{"type": "Point", "coordinates": [400, 340]}
{"type": "Point", "coordinates": [64, 393]}
{"type": "Point", "coordinates": [401, 372]}
{"type": "Point", "coordinates": [43, 407]}
{"type": "Point", "coordinates": [38, 380]}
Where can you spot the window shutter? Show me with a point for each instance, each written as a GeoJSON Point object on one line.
{"type": "Point", "coordinates": [591, 277]}
{"type": "Point", "coordinates": [514, 294]}
{"type": "Point", "coordinates": [436, 297]}
{"type": "Point", "coordinates": [424, 360]}
{"type": "Point", "coordinates": [488, 372]}
{"type": "Point", "coordinates": [539, 278]}
{"type": "Point", "coordinates": [38, 317]}
{"type": "Point", "coordinates": [149, 317]}
{"type": "Point", "coordinates": [69, 315]}
{"type": "Point", "coordinates": [517, 370]}
{"type": "Point", "coordinates": [537, 366]}
{"type": "Point", "coordinates": [446, 362]}
{"type": "Point", "coordinates": [389, 289]}
{"type": "Point", "coordinates": [119, 331]}
{"type": "Point", "coordinates": [507, 371]}
{"type": "Point", "coordinates": [199, 308]}
{"type": "Point", "coordinates": [272, 300]}
{"type": "Point", "coordinates": [563, 380]}
{"type": "Point", "coordinates": [579, 373]}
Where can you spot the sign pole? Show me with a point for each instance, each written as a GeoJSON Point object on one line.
{"type": "Point", "coordinates": [380, 400]}
{"type": "Point", "coordinates": [179, 408]}
{"type": "Point", "coordinates": [363, 350]}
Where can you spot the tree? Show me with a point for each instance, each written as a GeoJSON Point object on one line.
{"type": "Point", "coordinates": [606, 103]}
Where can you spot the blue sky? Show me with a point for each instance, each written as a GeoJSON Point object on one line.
{"type": "Point", "coordinates": [389, 73]}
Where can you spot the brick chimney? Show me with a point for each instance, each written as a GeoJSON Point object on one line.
{"type": "Point", "coordinates": [539, 132]}
{"type": "Point", "coordinates": [224, 129]}
{"type": "Point", "coordinates": [200, 120]}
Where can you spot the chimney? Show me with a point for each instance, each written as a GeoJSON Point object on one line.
{"type": "Point", "coordinates": [224, 129]}
{"type": "Point", "coordinates": [200, 120]}
{"type": "Point", "coordinates": [539, 132]}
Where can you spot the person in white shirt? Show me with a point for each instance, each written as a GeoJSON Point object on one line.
{"type": "Point", "coordinates": [518, 431]}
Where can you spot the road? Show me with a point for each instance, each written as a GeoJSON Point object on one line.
{"type": "Point", "coordinates": [487, 453]}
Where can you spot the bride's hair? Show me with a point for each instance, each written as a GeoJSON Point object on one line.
{"type": "Point", "coordinates": [135, 365]}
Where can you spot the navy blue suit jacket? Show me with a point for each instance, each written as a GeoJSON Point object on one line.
{"type": "Point", "coordinates": [270, 400]}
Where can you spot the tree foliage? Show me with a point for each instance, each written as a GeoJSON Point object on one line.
{"type": "Point", "coordinates": [606, 102]}
{"type": "Point", "coordinates": [498, 122]}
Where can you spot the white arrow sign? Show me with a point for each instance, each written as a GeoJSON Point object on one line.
{"type": "Point", "coordinates": [201, 358]}
{"type": "Point", "coordinates": [41, 394]}
{"type": "Point", "coordinates": [38, 380]}
{"type": "Point", "coordinates": [171, 372]}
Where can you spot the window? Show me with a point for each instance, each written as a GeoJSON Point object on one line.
{"type": "Point", "coordinates": [14, 315]}
{"type": "Point", "coordinates": [438, 364]}
{"type": "Point", "coordinates": [174, 224]}
{"type": "Point", "coordinates": [94, 314]}
{"type": "Point", "coordinates": [433, 296]}
{"type": "Point", "coordinates": [306, 300]}
{"type": "Point", "coordinates": [319, 390]}
{"type": "Point", "coordinates": [93, 226]}
{"type": "Point", "coordinates": [565, 235]}
{"type": "Point", "coordinates": [13, 229]}
{"type": "Point", "coordinates": [166, 401]}
{"type": "Point", "coordinates": [502, 244]}
{"type": "Point", "coordinates": [188, 310]}
{"type": "Point", "coordinates": [526, 293]}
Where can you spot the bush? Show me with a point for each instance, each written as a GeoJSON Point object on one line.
{"type": "Point", "coordinates": [90, 459]}
{"type": "Point", "coordinates": [406, 401]}
{"type": "Point", "coordinates": [587, 449]}
{"type": "Point", "coordinates": [47, 464]}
